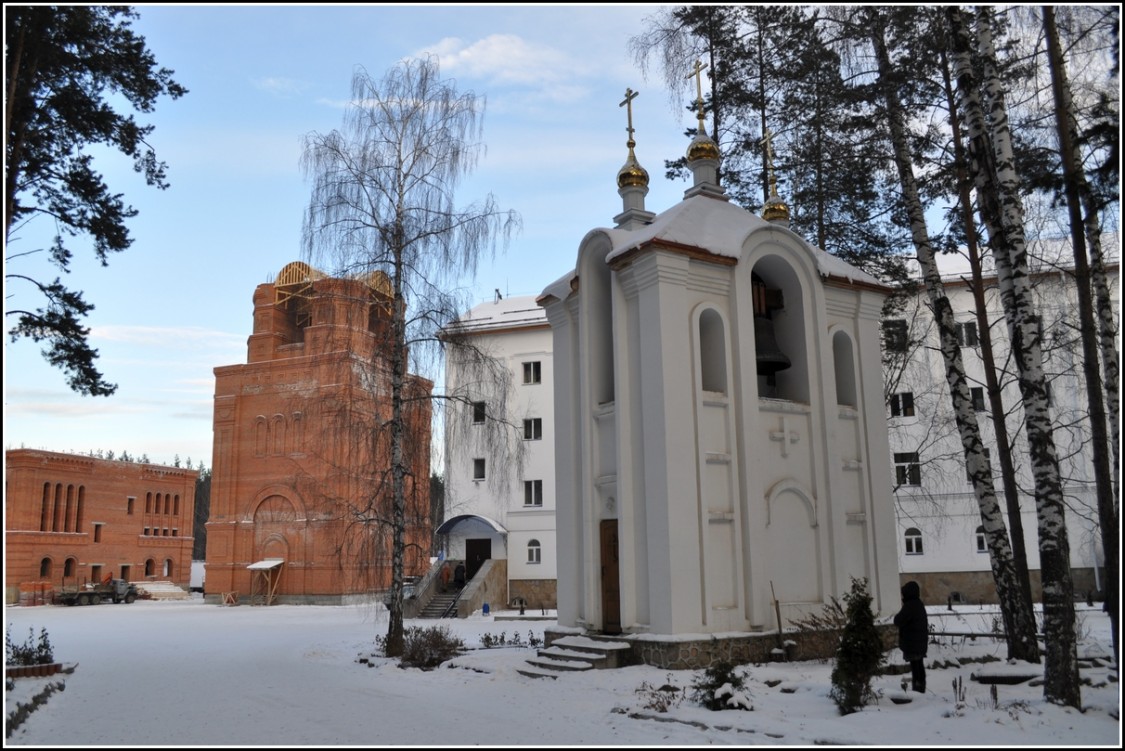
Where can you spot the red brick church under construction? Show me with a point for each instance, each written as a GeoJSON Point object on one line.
{"type": "Point", "coordinates": [301, 487]}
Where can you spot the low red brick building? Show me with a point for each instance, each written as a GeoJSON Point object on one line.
{"type": "Point", "coordinates": [300, 485]}
{"type": "Point", "coordinates": [72, 519]}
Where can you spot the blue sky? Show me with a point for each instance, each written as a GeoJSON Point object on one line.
{"type": "Point", "coordinates": [177, 304]}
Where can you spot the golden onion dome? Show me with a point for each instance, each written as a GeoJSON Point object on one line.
{"type": "Point", "coordinates": [775, 209]}
{"type": "Point", "coordinates": [632, 175]}
{"type": "Point", "coordinates": [702, 147]}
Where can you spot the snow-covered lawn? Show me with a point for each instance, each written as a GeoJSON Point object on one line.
{"type": "Point", "coordinates": [188, 673]}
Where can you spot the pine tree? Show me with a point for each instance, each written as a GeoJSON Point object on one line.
{"type": "Point", "coordinates": [68, 71]}
{"type": "Point", "coordinates": [860, 654]}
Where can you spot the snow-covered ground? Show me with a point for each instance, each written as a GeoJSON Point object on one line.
{"type": "Point", "coordinates": [188, 673]}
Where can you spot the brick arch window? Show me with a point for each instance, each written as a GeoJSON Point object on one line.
{"type": "Point", "coordinates": [68, 510]}
{"type": "Point", "coordinates": [57, 507]}
{"type": "Point", "coordinates": [80, 519]}
{"type": "Point", "coordinates": [45, 510]}
{"type": "Point", "coordinates": [69, 566]}
{"type": "Point", "coordinates": [260, 431]}
{"type": "Point", "coordinates": [913, 541]}
{"type": "Point", "coordinates": [167, 571]}
{"type": "Point", "coordinates": [148, 503]}
{"type": "Point", "coordinates": [150, 567]}
{"type": "Point", "coordinates": [45, 568]}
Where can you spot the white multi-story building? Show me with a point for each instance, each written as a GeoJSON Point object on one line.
{"type": "Point", "coordinates": [940, 538]}
{"type": "Point", "coordinates": [500, 449]}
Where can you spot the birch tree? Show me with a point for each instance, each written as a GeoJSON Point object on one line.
{"type": "Point", "coordinates": [993, 386]}
{"type": "Point", "coordinates": [383, 200]}
{"type": "Point", "coordinates": [997, 185]}
{"type": "Point", "coordinates": [1093, 328]}
{"type": "Point", "coordinates": [1018, 620]}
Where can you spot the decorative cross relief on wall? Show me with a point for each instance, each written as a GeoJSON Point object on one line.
{"type": "Point", "coordinates": [785, 436]}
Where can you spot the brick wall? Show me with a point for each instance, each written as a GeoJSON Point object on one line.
{"type": "Point", "coordinates": [72, 519]}
{"type": "Point", "coordinates": [300, 464]}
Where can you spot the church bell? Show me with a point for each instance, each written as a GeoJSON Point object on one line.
{"type": "Point", "coordinates": [770, 357]}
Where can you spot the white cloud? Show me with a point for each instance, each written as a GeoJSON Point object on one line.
{"type": "Point", "coordinates": [282, 87]}
{"type": "Point", "coordinates": [507, 59]}
{"type": "Point", "coordinates": [179, 337]}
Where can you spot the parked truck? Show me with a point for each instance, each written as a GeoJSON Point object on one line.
{"type": "Point", "coordinates": [109, 590]}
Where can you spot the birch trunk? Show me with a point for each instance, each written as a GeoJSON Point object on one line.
{"type": "Point", "coordinates": [1080, 232]}
{"type": "Point", "coordinates": [995, 396]}
{"type": "Point", "coordinates": [1018, 624]}
{"type": "Point", "coordinates": [395, 628]}
{"type": "Point", "coordinates": [1001, 208]}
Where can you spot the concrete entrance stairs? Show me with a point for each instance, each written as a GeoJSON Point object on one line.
{"type": "Point", "coordinates": [161, 590]}
{"type": "Point", "coordinates": [441, 605]}
{"type": "Point", "coordinates": [576, 653]}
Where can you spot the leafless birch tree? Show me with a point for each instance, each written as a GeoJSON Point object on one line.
{"type": "Point", "coordinates": [1095, 329]}
{"type": "Point", "coordinates": [383, 200]}
{"type": "Point", "coordinates": [997, 187]}
{"type": "Point", "coordinates": [1018, 621]}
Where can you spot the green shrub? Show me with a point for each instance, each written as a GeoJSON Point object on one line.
{"type": "Point", "coordinates": [860, 654]}
{"type": "Point", "coordinates": [721, 687]}
{"type": "Point", "coordinates": [427, 648]}
{"type": "Point", "coordinates": [31, 651]}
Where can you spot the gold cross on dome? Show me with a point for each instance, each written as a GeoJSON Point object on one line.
{"type": "Point", "coordinates": [767, 140]}
{"type": "Point", "coordinates": [630, 95]}
{"type": "Point", "coordinates": [696, 70]}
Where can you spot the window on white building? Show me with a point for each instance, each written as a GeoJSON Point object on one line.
{"type": "Point", "coordinates": [902, 405]}
{"type": "Point", "coordinates": [533, 429]}
{"type": "Point", "coordinates": [907, 469]}
{"type": "Point", "coordinates": [534, 552]}
{"type": "Point", "coordinates": [913, 541]}
{"type": "Point", "coordinates": [982, 543]}
{"type": "Point", "coordinates": [967, 334]}
{"type": "Point", "coordinates": [532, 372]}
{"type": "Point", "coordinates": [977, 393]}
{"type": "Point", "coordinates": [533, 492]}
{"type": "Point", "coordinates": [895, 335]}
{"type": "Point", "coordinates": [478, 412]}
{"type": "Point", "coordinates": [478, 469]}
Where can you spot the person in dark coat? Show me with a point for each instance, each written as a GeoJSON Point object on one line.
{"type": "Point", "coordinates": [459, 576]}
{"type": "Point", "coordinates": [913, 634]}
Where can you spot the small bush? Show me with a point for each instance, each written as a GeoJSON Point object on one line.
{"type": "Point", "coordinates": [427, 648]}
{"type": "Point", "coordinates": [31, 651]}
{"type": "Point", "coordinates": [662, 698]}
{"type": "Point", "coordinates": [860, 654]}
{"type": "Point", "coordinates": [720, 687]}
{"type": "Point", "coordinates": [830, 618]}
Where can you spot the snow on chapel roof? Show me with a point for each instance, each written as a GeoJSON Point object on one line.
{"type": "Point", "coordinates": [717, 226]}
{"type": "Point", "coordinates": [721, 228]}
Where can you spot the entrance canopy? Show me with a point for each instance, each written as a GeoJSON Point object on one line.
{"type": "Point", "coordinates": [265, 578]}
{"type": "Point", "coordinates": [448, 525]}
